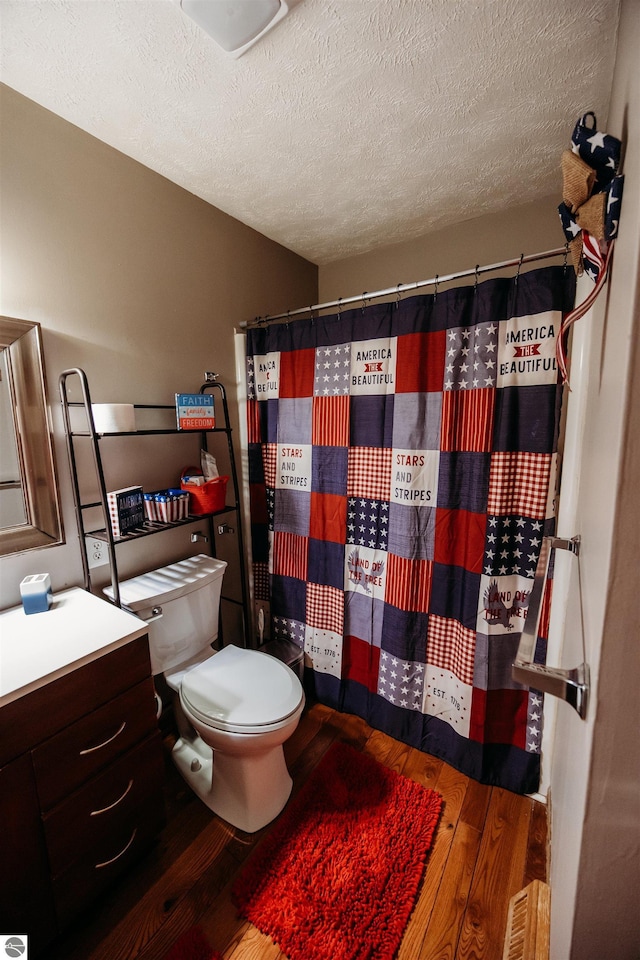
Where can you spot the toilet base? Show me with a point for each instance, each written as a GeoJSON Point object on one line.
{"type": "Point", "coordinates": [248, 792]}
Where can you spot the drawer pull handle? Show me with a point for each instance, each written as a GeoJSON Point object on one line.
{"type": "Point", "coordinates": [104, 744]}
{"type": "Point", "coordinates": [94, 813]}
{"type": "Point", "coordinates": [106, 863]}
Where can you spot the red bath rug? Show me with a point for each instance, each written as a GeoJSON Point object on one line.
{"type": "Point", "coordinates": [340, 872]}
{"type": "Point", "coordinates": [192, 945]}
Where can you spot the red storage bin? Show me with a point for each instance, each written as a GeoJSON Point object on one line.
{"type": "Point", "coordinates": [208, 497]}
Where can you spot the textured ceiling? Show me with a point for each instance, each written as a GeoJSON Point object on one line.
{"type": "Point", "coordinates": [353, 124]}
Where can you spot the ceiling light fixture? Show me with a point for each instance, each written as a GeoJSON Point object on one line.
{"type": "Point", "coordinates": [236, 25]}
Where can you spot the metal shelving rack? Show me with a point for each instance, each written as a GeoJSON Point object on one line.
{"type": "Point", "coordinates": [149, 528]}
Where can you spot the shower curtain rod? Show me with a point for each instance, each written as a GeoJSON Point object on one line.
{"type": "Point", "coordinates": [404, 287]}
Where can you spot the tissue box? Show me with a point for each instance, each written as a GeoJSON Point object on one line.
{"type": "Point", "coordinates": [36, 593]}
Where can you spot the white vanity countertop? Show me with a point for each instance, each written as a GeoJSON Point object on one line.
{"type": "Point", "coordinates": [40, 647]}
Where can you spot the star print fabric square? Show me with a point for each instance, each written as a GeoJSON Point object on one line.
{"type": "Point", "coordinates": [471, 357]}
{"type": "Point", "coordinates": [331, 370]}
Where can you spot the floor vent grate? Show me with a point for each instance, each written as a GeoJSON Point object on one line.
{"type": "Point", "coordinates": [527, 936]}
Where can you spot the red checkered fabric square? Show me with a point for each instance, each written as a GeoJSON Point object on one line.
{"type": "Point", "coordinates": [270, 463]}
{"type": "Point", "coordinates": [325, 607]}
{"type": "Point", "coordinates": [518, 484]}
{"type": "Point", "coordinates": [369, 472]}
{"type": "Point", "coordinates": [289, 555]}
{"type": "Point", "coordinates": [261, 581]}
{"type": "Point", "coordinates": [451, 646]}
{"type": "Point", "coordinates": [408, 583]}
{"type": "Point", "coordinates": [297, 371]}
{"type": "Point", "coordinates": [330, 422]}
{"type": "Point", "coordinates": [420, 362]}
{"type": "Point", "coordinates": [467, 420]}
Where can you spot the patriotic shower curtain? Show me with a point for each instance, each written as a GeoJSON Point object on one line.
{"type": "Point", "coordinates": [402, 467]}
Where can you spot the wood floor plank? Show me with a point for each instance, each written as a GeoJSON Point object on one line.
{"type": "Point", "coordinates": [221, 922]}
{"type": "Point", "coordinates": [452, 786]}
{"type": "Point", "coordinates": [254, 946]}
{"type": "Point", "coordinates": [387, 751]}
{"type": "Point", "coordinates": [498, 875]}
{"type": "Point", "coordinates": [191, 910]}
{"type": "Point", "coordinates": [422, 768]}
{"type": "Point", "coordinates": [443, 930]}
{"type": "Point", "coordinates": [351, 729]}
{"type": "Point", "coordinates": [476, 803]}
{"type": "Point", "coordinates": [536, 866]}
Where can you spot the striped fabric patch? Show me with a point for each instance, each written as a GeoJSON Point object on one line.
{"type": "Point", "coordinates": [467, 420]}
{"type": "Point", "coordinates": [330, 427]}
{"type": "Point", "coordinates": [289, 556]}
{"type": "Point", "coordinates": [253, 421]}
{"type": "Point", "coordinates": [408, 584]}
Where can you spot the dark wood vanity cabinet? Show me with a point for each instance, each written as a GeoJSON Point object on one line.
{"type": "Point", "coordinates": [84, 797]}
{"type": "Point", "coordinates": [26, 901]}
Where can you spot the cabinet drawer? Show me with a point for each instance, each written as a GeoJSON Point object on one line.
{"type": "Point", "coordinates": [99, 810]}
{"type": "Point", "coordinates": [70, 758]}
{"type": "Point", "coordinates": [32, 718]}
{"type": "Point", "coordinates": [97, 869]}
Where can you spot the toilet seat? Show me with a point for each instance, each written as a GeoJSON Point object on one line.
{"type": "Point", "coordinates": [242, 691]}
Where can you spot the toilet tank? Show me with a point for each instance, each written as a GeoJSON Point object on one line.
{"type": "Point", "coordinates": [181, 603]}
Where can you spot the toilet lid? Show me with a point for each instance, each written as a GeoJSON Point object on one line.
{"type": "Point", "coordinates": [241, 688]}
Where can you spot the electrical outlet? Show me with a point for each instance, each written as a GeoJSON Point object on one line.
{"type": "Point", "coordinates": [97, 552]}
{"type": "Point", "coordinates": [262, 613]}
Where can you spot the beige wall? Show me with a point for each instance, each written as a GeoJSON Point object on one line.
{"type": "Point", "coordinates": [531, 228]}
{"type": "Point", "coordinates": [134, 280]}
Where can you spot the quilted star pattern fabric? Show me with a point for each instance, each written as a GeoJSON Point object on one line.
{"type": "Point", "coordinates": [402, 468]}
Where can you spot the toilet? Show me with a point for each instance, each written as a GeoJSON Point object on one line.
{"type": "Point", "coordinates": [234, 707]}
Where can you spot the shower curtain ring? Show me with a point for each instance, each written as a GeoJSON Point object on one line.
{"type": "Point", "coordinates": [519, 265]}
{"type": "Point", "coordinates": [475, 286]}
{"type": "Point", "coordinates": [364, 301]}
{"type": "Point", "coordinates": [398, 297]}
{"type": "Point", "coordinates": [435, 289]}
{"type": "Point", "coordinates": [339, 306]}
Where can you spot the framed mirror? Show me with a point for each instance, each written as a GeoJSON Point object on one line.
{"type": "Point", "coordinates": [31, 516]}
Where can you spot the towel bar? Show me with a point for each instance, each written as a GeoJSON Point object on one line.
{"type": "Point", "coordinates": [569, 685]}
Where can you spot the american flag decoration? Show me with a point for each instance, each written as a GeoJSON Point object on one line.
{"type": "Point", "coordinates": [589, 213]}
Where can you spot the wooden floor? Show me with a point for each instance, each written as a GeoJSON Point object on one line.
{"type": "Point", "coordinates": [489, 845]}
